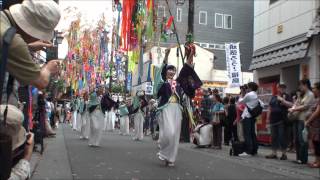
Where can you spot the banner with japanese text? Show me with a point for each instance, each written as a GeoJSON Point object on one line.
{"type": "Point", "coordinates": [233, 64]}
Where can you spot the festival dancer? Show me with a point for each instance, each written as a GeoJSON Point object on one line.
{"type": "Point", "coordinates": [108, 108]}
{"type": "Point", "coordinates": [74, 109]}
{"type": "Point", "coordinates": [79, 118]}
{"type": "Point", "coordinates": [85, 118]}
{"type": "Point", "coordinates": [138, 109]}
{"type": "Point", "coordinates": [96, 120]}
{"type": "Point", "coordinates": [173, 95]}
{"type": "Point", "coordinates": [124, 119]}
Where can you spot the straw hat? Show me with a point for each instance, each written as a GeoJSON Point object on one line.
{"type": "Point", "coordinates": [37, 18]}
{"type": "Point", "coordinates": [14, 125]}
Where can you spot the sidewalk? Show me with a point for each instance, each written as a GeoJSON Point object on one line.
{"type": "Point", "coordinates": [55, 160]}
{"type": "Point", "coordinates": [286, 168]}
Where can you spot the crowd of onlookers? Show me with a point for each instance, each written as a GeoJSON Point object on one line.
{"type": "Point", "coordinates": [26, 27]}
{"type": "Point", "coordinates": [294, 121]}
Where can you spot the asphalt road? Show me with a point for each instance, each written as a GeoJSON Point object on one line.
{"type": "Point", "coordinates": [119, 157]}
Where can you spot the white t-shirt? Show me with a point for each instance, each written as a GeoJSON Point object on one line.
{"type": "Point", "coordinates": [251, 100]}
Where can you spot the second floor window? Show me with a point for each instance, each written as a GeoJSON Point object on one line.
{"type": "Point", "coordinates": [179, 14]}
{"type": "Point", "coordinates": [203, 17]}
{"type": "Point", "coordinates": [223, 21]}
{"type": "Point", "coordinates": [227, 21]}
{"type": "Point", "coordinates": [161, 11]}
{"type": "Point", "coordinates": [218, 20]}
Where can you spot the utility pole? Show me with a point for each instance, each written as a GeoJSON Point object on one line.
{"type": "Point", "coordinates": [126, 75]}
{"type": "Point", "coordinates": [191, 17]}
{"type": "Point", "coordinates": [112, 52]}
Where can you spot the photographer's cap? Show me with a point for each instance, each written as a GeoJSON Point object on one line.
{"type": "Point", "coordinates": [37, 18]}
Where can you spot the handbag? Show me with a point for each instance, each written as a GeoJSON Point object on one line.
{"type": "Point", "coordinates": [293, 116]}
{"type": "Point", "coordinates": [256, 111]}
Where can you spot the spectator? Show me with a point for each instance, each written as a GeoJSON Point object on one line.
{"type": "Point", "coordinates": [218, 115]}
{"type": "Point", "coordinates": [26, 18]}
{"type": "Point", "coordinates": [277, 115]}
{"type": "Point", "coordinates": [251, 101]}
{"type": "Point", "coordinates": [225, 124]}
{"type": "Point", "coordinates": [203, 134]}
{"type": "Point", "coordinates": [153, 114]}
{"type": "Point", "coordinates": [290, 136]}
{"type": "Point", "coordinates": [240, 108]}
{"type": "Point", "coordinates": [18, 134]}
{"type": "Point", "coordinates": [206, 105]}
{"type": "Point", "coordinates": [313, 123]}
{"type": "Point", "coordinates": [302, 106]}
{"type": "Point", "coordinates": [31, 24]}
{"type": "Point", "coordinates": [230, 125]}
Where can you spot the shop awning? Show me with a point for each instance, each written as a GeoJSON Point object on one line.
{"type": "Point", "coordinates": [289, 50]}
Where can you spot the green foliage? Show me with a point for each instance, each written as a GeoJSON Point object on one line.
{"type": "Point", "coordinates": [117, 88]}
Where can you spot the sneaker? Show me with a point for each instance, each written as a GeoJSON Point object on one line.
{"type": "Point", "coordinates": [244, 154]}
{"type": "Point", "coordinates": [271, 156]}
{"type": "Point", "coordinates": [160, 157]}
{"type": "Point", "coordinates": [298, 162]}
{"type": "Point", "coordinates": [170, 164]}
{"type": "Point", "coordinates": [283, 157]}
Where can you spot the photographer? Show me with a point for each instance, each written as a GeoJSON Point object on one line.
{"type": "Point", "coordinates": [22, 169]}
{"type": "Point", "coordinates": [34, 22]}
{"type": "Point", "coordinates": [21, 145]}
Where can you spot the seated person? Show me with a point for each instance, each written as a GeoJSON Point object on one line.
{"type": "Point", "coordinates": [203, 134]}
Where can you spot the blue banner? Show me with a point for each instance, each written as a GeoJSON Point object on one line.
{"type": "Point", "coordinates": [129, 81]}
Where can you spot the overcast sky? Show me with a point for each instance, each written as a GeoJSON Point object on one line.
{"type": "Point", "coordinates": [90, 10]}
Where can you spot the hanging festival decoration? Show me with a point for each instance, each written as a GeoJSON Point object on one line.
{"type": "Point", "coordinates": [89, 62]}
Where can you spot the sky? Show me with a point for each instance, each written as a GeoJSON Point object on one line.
{"type": "Point", "coordinates": [90, 10]}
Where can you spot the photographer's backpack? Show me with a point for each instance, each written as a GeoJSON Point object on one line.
{"type": "Point", "coordinates": [6, 154]}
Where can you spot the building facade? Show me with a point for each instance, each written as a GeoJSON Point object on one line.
{"type": "Point", "coordinates": [216, 22]}
{"type": "Point", "coordinates": [286, 42]}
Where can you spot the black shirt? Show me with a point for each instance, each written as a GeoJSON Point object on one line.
{"type": "Point", "coordinates": [279, 111]}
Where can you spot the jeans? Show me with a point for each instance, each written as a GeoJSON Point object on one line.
{"type": "Point", "coordinates": [278, 136]}
{"type": "Point", "coordinates": [217, 135]}
{"type": "Point", "coordinates": [290, 136]}
{"type": "Point", "coordinates": [250, 137]}
{"type": "Point", "coordinates": [301, 145]}
{"type": "Point", "coordinates": [146, 123]}
{"type": "Point", "coordinates": [230, 132]}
